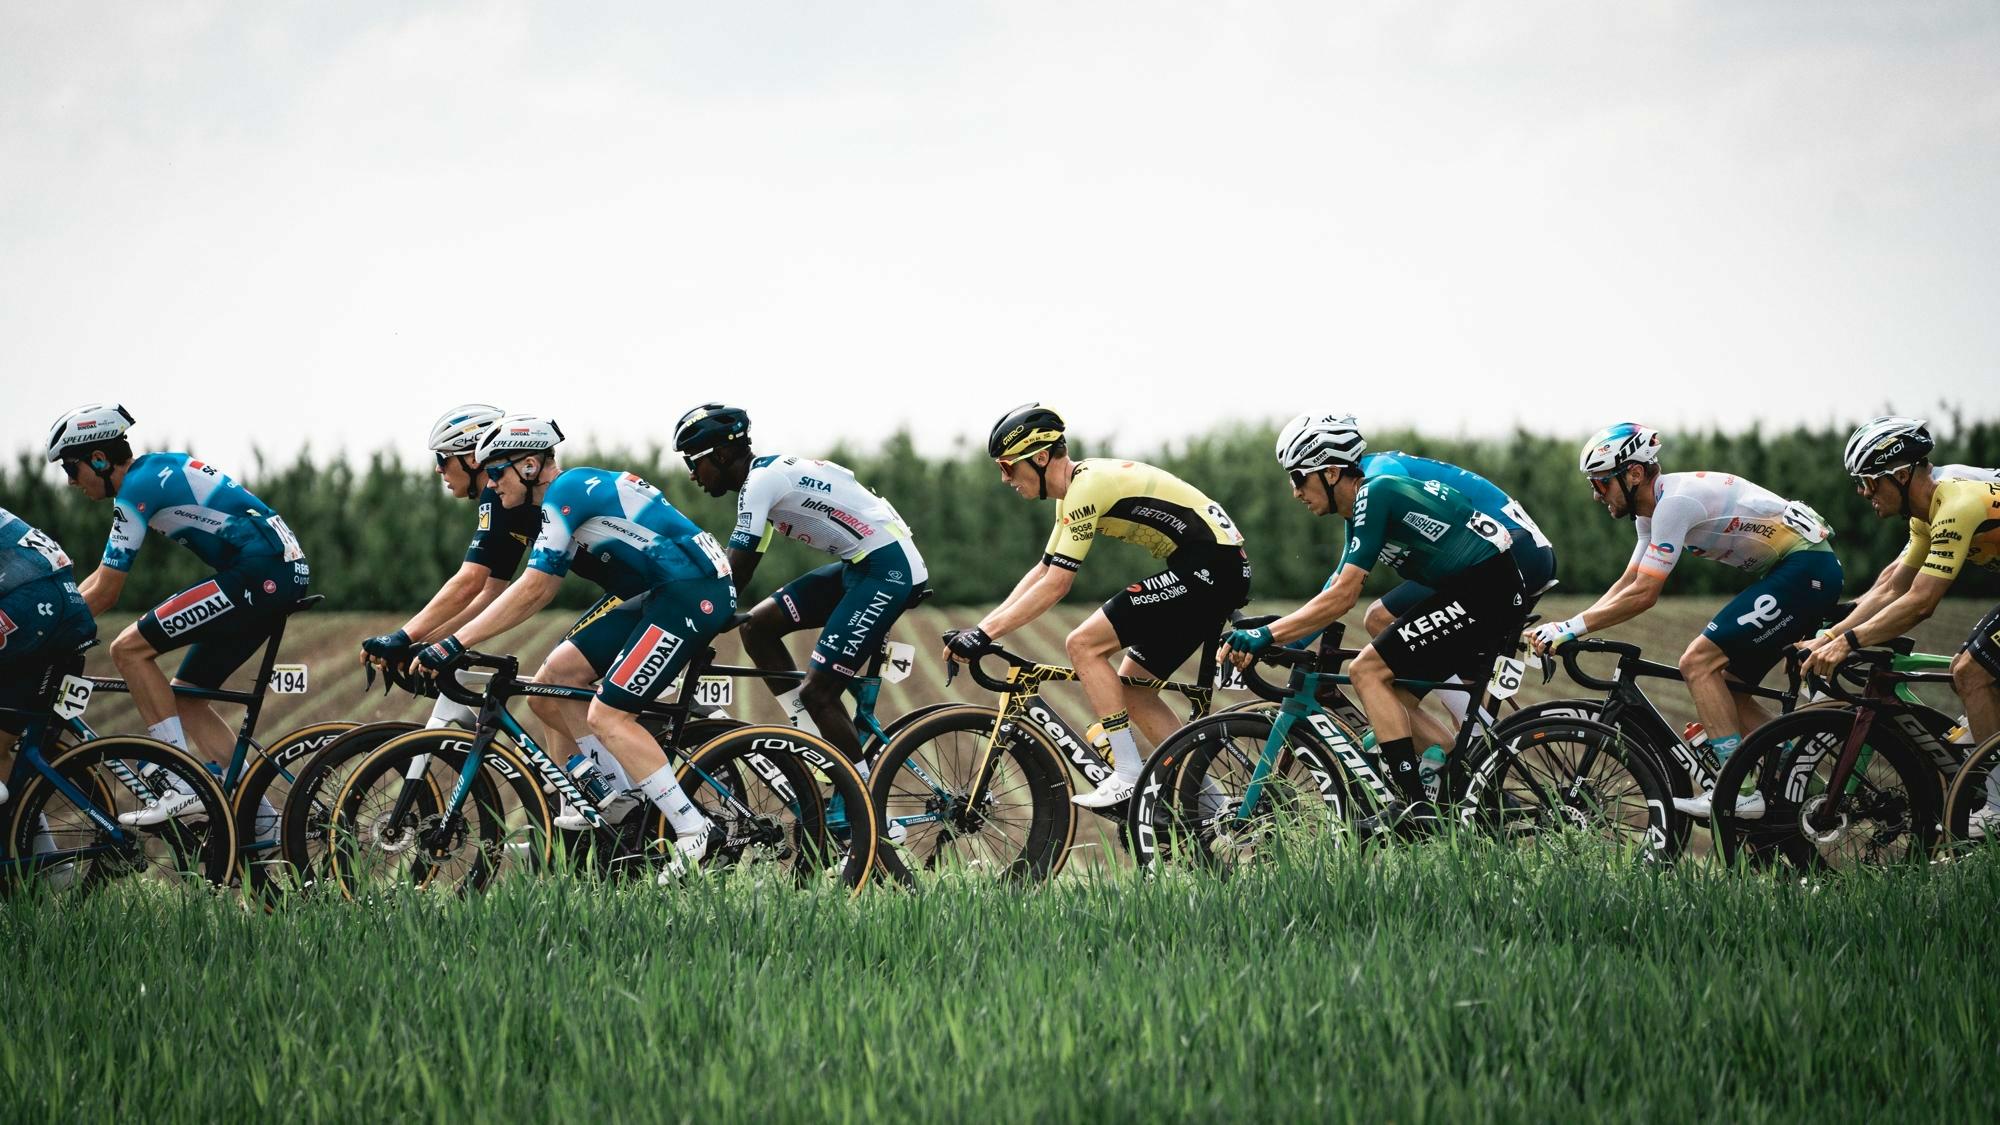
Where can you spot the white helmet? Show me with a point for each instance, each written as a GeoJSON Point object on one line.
{"type": "Point", "coordinates": [1320, 441]}
{"type": "Point", "coordinates": [1615, 447]}
{"type": "Point", "coordinates": [1887, 444]}
{"type": "Point", "coordinates": [517, 433]}
{"type": "Point", "coordinates": [457, 430]}
{"type": "Point", "coordinates": [88, 425]}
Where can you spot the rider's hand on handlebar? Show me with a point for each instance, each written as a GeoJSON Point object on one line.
{"type": "Point", "coordinates": [1242, 645]}
{"type": "Point", "coordinates": [1551, 636]}
{"type": "Point", "coordinates": [966, 645]}
{"type": "Point", "coordinates": [442, 655]}
{"type": "Point", "coordinates": [389, 649]}
{"type": "Point", "coordinates": [1827, 653]}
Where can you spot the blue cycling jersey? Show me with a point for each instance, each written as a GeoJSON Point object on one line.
{"type": "Point", "coordinates": [197, 506]}
{"type": "Point", "coordinates": [1482, 494]}
{"type": "Point", "coordinates": [619, 532]}
{"type": "Point", "coordinates": [26, 554]}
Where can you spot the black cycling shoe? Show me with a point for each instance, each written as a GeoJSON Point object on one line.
{"type": "Point", "coordinates": [1404, 820]}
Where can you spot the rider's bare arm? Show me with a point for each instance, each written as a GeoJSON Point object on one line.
{"type": "Point", "coordinates": [1021, 588]}
{"type": "Point", "coordinates": [1029, 600]}
{"type": "Point", "coordinates": [1324, 609]}
{"type": "Point", "coordinates": [101, 589]}
{"type": "Point", "coordinates": [524, 597]}
{"type": "Point", "coordinates": [1912, 607]}
{"type": "Point", "coordinates": [1633, 594]}
{"type": "Point", "coordinates": [494, 588]}
{"type": "Point", "coordinates": [449, 604]}
{"type": "Point", "coordinates": [1889, 586]}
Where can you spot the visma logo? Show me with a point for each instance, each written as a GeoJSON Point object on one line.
{"type": "Point", "coordinates": [1763, 614]}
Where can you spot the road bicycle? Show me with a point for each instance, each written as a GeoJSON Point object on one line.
{"type": "Point", "coordinates": [453, 807]}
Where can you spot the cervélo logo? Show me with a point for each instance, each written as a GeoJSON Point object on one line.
{"type": "Point", "coordinates": [641, 668]}
{"type": "Point", "coordinates": [193, 607]}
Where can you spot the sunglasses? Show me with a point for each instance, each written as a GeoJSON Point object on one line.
{"type": "Point", "coordinates": [71, 468]}
{"type": "Point", "coordinates": [1298, 479]}
{"type": "Point", "coordinates": [495, 472]}
{"type": "Point", "coordinates": [1602, 485]}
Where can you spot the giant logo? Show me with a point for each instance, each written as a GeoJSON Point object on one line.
{"type": "Point", "coordinates": [191, 608]}
{"type": "Point", "coordinates": [642, 667]}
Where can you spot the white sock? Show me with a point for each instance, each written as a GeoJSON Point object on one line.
{"type": "Point", "coordinates": [794, 703]}
{"type": "Point", "coordinates": [168, 730]}
{"type": "Point", "coordinates": [607, 762]}
{"type": "Point", "coordinates": [1125, 759]}
{"type": "Point", "coordinates": [43, 842]}
{"type": "Point", "coordinates": [267, 819]}
{"type": "Point", "coordinates": [449, 714]}
{"type": "Point", "coordinates": [664, 790]}
{"type": "Point", "coordinates": [1456, 702]}
{"type": "Point", "coordinates": [1993, 789]}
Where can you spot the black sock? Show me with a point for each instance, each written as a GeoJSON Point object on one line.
{"type": "Point", "coordinates": [1401, 755]}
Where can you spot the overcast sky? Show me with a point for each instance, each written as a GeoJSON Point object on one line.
{"type": "Point", "coordinates": [290, 222]}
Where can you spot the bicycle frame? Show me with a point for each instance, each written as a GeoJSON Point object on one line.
{"type": "Point", "coordinates": [1879, 697]}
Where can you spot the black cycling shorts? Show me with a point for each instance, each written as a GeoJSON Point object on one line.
{"type": "Point", "coordinates": [1458, 630]}
{"type": "Point", "coordinates": [1984, 644]}
{"type": "Point", "coordinates": [222, 620]}
{"type": "Point", "coordinates": [1165, 619]}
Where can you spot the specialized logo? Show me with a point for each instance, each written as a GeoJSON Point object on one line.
{"type": "Point", "coordinates": [191, 608]}
{"type": "Point", "coordinates": [641, 669]}
{"type": "Point", "coordinates": [1764, 613]}
{"type": "Point", "coordinates": [1431, 529]}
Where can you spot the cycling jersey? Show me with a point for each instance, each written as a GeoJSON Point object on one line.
{"type": "Point", "coordinates": [504, 534]}
{"type": "Point", "coordinates": [27, 554]}
{"type": "Point", "coordinates": [1963, 527]}
{"type": "Point", "coordinates": [817, 503]}
{"type": "Point", "coordinates": [1725, 518]}
{"type": "Point", "coordinates": [1140, 504]}
{"type": "Point", "coordinates": [619, 532]}
{"type": "Point", "coordinates": [1481, 493]}
{"type": "Point", "coordinates": [195, 505]}
{"type": "Point", "coordinates": [1423, 530]}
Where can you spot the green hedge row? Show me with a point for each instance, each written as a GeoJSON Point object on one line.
{"type": "Point", "coordinates": [382, 535]}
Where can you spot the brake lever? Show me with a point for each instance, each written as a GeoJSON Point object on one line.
{"type": "Point", "coordinates": [368, 684]}
{"type": "Point", "coordinates": [1548, 667]}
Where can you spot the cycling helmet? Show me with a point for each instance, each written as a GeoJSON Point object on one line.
{"type": "Point", "coordinates": [457, 430]}
{"type": "Point", "coordinates": [86, 426]}
{"type": "Point", "coordinates": [1023, 432]}
{"type": "Point", "coordinates": [1311, 442]}
{"type": "Point", "coordinates": [517, 433]}
{"type": "Point", "coordinates": [709, 427]}
{"type": "Point", "coordinates": [1887, 444]}
{"type": "Point", "coordinates": [1614, 447]}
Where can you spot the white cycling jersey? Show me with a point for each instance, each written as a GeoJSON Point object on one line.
{"type": "Point", "coordinates": [1724, 518]}
{"type": "Point", "coordinates": [819, 504]}
{"type": "Point", "coordinates": [1964, 472]}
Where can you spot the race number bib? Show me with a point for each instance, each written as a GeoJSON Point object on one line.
{"type": "Point", "coordinates": [290, 542]}
{"type": "Point", "coordinates": [73, 697]}
{"type": "Point", "coordinates": [898, 660]}
{"type": "Point", "coordinates": [1514, 511]}
{"type": "Point", "coordinates": [49, 549]}
{"type": "Point", "coordinates": [1806, 522]}
{"type": "Point", "coordinates": [288, 679]}
{"type": "Point", "coordinates": [715, 691]}
{"type": "Point", "coordinates": [1507, 676]}
{"type": "Point", "coordinates": [1489, 529]}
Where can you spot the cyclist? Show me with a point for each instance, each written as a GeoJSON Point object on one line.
{"type": "Point", "coordinates": [667, 593]}
{"type": "Point", "coordinates": [1718, 516]}
{"type": "Point", "coordinates": [1160, 621]}
{"type": "Point", "coordinates": [1534, 555]}
{"type": "Point", "coordinates": [499, 543]}
{"type": "Point", "coordinates": [43, 619]}
{"type": "Point", "coordinates": [1427, 532]}
{"type": "Point", "coordinates": [1953, 522]}
{"type": "Point", "coordinates": [854, 602]}
{"type": "Point", "coordinates": [260, 571]}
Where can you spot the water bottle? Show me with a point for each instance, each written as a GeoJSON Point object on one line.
{"type": "Point", "coordinates": [583, 769]}
{"type": "Point", "coordinates": [1430, 770]}
{"type": "Point", "coordinates": [1696, 737]}
{"type": "Point", "coordinates": [1960, 734]}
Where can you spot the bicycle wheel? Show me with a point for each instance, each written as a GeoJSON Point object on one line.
{"type": "Point", "coordinates": [1553, 776]}
{"type": "Point", "coordinates": [75, 845]}
{"type": "Point", "coordinates": [768, 790]}
{"type": "Point", "coordinates": [395, 824]}
{"type": "Point", "coordinates": [1024, 822]}
{"type": "Point", "coordinates": [1305, 794]}
{"type": "Point", "coordinates": [1887, 813]}
{"type": "Point", "coordinates": [1977, 785]}
{"type": "Point", "coordinates": [259, 802]}
{"type": "Point", "coordinates": [630, 847]}
{"type": "Point", "coordinates": [308, 807]}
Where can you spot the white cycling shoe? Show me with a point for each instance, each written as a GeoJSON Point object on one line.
{"type": "Point", "coordinates": [159, 810]}
{"type": "Point", "coordinates": [689, 850]}
{"type": "Point", "coordinates": [614, 811]}
{"type": "Point", "coordinates": [1984, 822]}
{"type": "Point", "coordinates": [1109, 792]}
{"type": "Point", "coordinates": [1749, 806]}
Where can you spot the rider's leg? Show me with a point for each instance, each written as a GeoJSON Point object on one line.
{"type": "Point", "coordinates": [1149, 710]}
{"type": "Point", "coordinates": [1378, 617]}
{"type": "Point", "coordinates": [564, 720]}
{"type": "Point", "coordinates": [1703, 666]}
{"type": "Point", "coordinates": [1374, 683]}
{"type": "Point", "coordinates": [1980, 692]}
{"type": "Point", "coordinates": [133, 655]}
{"type": "Point", "coordinates": [1090, 647]}
{"type": "Point", "coordinates": [825, 697]}
{"type": "Point", "coordinates": [205, 731]}
{"type": "Point", "coordinates": [764, 643]}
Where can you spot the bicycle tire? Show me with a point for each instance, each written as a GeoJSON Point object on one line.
{"type": "Point", "coordinates": [308, 809]}
{"type": "Point", "coordinates": [204, 834]}
{"type": "Point", "coordinates": [1562, 775]}
{"type": "Point", "coordinates": [738, 780]}
{"type": "Point", "coordinates": [269, 776]}
{"type": "Point", "coordinates": [608, 852]}
{"type": "Point", "coordinates": [1030, 787]}
{"type": "Point", "coordinates": [1969, 792]}
{"type": "Point", "coordinates": [1892, 815]}
{"type": "Point", "coordinates": [1306, 793]}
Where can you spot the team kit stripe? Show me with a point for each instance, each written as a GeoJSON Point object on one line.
{"type": "Point", "coordinates": [186, 598]}
{"type": "Point", "coordinates": [636, 659]}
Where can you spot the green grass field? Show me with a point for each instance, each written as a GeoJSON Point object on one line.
{"type": "Point", "coordinates": [1452, 982]}
{"type": "Point", "coordinates": [1455, 981]}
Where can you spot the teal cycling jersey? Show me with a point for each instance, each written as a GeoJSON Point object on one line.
{"type": "Point", "coordinates": [27, 554]}
{"type": "Point", "coordinates": [1424, 530]}
{"type": "Point", "coordinates": [1481, 493]}
{"type": "Point", "coordinates": [196, 505]}
{"type": "Point", "coordinates": [619, 532]}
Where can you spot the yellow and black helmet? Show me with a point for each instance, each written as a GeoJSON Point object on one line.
{"type": "Point", "coordinates": [1023, 432]}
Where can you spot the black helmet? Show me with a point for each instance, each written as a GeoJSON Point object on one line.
{"type": "Point", "coordinates": [1887, 444]}
{"type": "Point", "coordinates": [709, 426]}
{"type": "Point", "coordinates": [1023, 432]}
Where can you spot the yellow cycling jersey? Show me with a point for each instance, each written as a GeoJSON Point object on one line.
{"type": "Point", "coordinates": [1137, 503]}
{"type": "Point", "coordinates": [1964, 527]}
